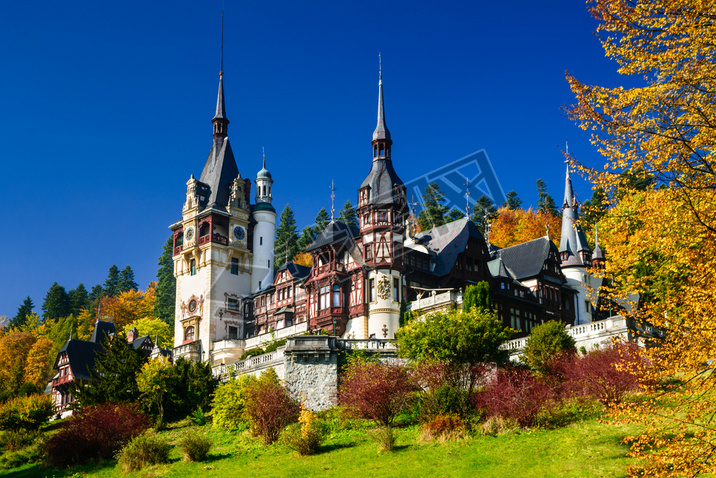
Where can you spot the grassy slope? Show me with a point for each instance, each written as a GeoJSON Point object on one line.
{"type": "Point", "coordinates": [587, 448]}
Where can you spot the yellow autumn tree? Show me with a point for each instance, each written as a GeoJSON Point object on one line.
{"type": "Point", "coordinates": [515, 226]}
{"type": "Point", "coordinates": [129, 306]}
{"type": "Point", "coordinates": [155, 329]}
{"type": "Point", "coordinates": [37, 371]}
{"type": "Point", "coordinates": [660, 241]}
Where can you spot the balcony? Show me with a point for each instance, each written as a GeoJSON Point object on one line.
{"type": "Point", "coordinates": [177, 250]}
{"type": "Point", "coordinates": [215, 238]}
{"type": "Point", "coordinates": [190, 351]}
{"type": "Point", "coordinates": [435, 300]}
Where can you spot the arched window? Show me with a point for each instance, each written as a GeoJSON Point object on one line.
{"type": "Point", "coordinates": [336, 295]}
{"type": "Point", "coordinates": [189, 334]}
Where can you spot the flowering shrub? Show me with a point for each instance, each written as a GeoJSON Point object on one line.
{"type": "Point", "coordinates": [95, 434]}
{"type": "Point", "coordinates": [515, 394]}
{"type": "Point", "coordinates": [268, 407]}
{"type": "Point", "coordinates": [27, 413]}
{"type": "Point", "coordinates": [375, 390]}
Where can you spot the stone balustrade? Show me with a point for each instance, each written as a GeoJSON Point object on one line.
{"type": "Point", "coordinates": [432, 301]}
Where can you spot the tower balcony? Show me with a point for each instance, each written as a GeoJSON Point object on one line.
{"type": "Point", "coordinates": [215, 238]}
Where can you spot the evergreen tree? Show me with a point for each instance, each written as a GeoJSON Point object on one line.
{"type": "Point", "coordinates": [56, 304]}
{"type": "Point", "coordinates": [454, 215]}
{"type": "Point", "coordinates": [594, 208]}
{"type": "Point", "coordinates": [286, 245]}
{"type": "Point", "coordinates": [95, 296]}
{"type": "Point", "coordinates": [79, 299]}
{"type": "Point", "coordinates": [23, 311]}
{"type": "Point", "coordinates": [114, 375]}
{"type": "Point", "coordinates": [111, 285]}
{"type": "Point", "coordinates": [348, 215]}
{"type": "Point", "coordinates": [513, 202]}
{"type": "Point", "coordinates": [166, 285]}
{"type": "Point", "coordinates": [482, 206]}
{"type": "Point", "coordinates": [434, 211]}
{"type": "Point", "coordinates": [126, 280]}
{"type": "Point", "coordinates": [322, 221]}
{"type": "Point", "coordinates": [477, 296]}
{"type": "Point", "coordinates": [306, 239]}
{"type": "Point", "coordinates": [545, 203]}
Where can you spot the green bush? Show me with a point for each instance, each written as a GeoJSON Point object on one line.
{"type": "Point", "coordinates": [252, 353]}
{"type": "Point", "coordinates": [13, 459]}
{"type": "Point", "coordinates": [274, 345]}
{"type": "Point", "coordinates": [143, 451]}
{"type": "Point", "coordinates": [229, 404]}
{"type": "Point", "coordinates": [546, 342]}
{"type": "Point", "coordinates": [570, 411]}
{"type": "Point", "coordinates": [385, 437]}
{"type": "Point", "coordinates": [444, 400]}
{"type": "Point", "coordinates": [195, 446]}
{"type": "Point", "coordinates": [12, 440]}
{"type": "Point", "coordinates": [27, 413]}
{"type": "Point", "coordinates": [198, 417]}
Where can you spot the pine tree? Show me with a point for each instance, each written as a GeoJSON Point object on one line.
{"type": "Point", "coordinates": [513, 202]}
{"type": "Point", "coordinates": [114, 375]}
{"type": "Point", "coordinates": [454, 215]}
{"type": "Point", "coordinates": [322, 221]}
{"type": "Point", "coordinates": [482, 206]}
{"type": "Point", "coordinates": [23, 311]}
{"type": "Point", "coordinates": [545, 203]}
{"type": "Point", "coordinates": [56, 304]}
{"type": "Point", "coordinates": [166, 285]}
{"type": "Point", "coordinates": [79, 299]}
{"type": "Point", "coordinates": [306, 239]}
{"type": "Point", "coordinates": [111, 285]}
{"type": "Point", "coordinates": [95, 296]}
{"type": "Point", "coordinates": [286, 245]}
{"type": "Point", "coordinates": [348, 215]}
{"type": "Point", "coordinates": [126, 280]}
{"type": "Point", "coordinates": [434, 211]}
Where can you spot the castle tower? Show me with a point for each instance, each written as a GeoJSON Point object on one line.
{"type": "Point", "coordinates": [211, 254]}
{"type": "Point", "coordinates": [264, 232]}
{"type": "Point", "coordinates": [382, 212]}
{"type": "Point", "coordinates": [576, 255]}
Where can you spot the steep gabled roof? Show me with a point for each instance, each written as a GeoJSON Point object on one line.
{"type": "Point", "coordinates": [526, 260]}
{"type": "Point", "coordinates": [219, 171]}
{"type": "Point", "coordinates": [383, 181]}
{"type": "Point", "coordinates": [297, 271]}
{"type": "Point", "coordinates": [81, 355]}
{"type": "Point", "coordinates": [447, 241]}
{"type": "Point", "coordinates": [335, 232]}
{"type": "Point", "coordinates": [102, 329]}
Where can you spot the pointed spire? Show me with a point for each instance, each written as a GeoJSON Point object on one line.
{"type": "Point", "coordinates": [333, 202]}
{"type": "Point", "coordinates": [598, 253]}
{"type": "Point", "coordinates": [381, 130]}
{"type": "Point", "coordinates": [263, 152]}
{"type": "Point", "coordinates": [568, 191]}
{"type": "Point", "coordinates": [220, 120]}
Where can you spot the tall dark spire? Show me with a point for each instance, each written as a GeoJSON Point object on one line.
{"type": "Point", "coordinates": [381, 135]}
{"type": "Point", "coordinates": [221, 122]}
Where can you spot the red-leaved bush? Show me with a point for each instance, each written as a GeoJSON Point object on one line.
{"type": "Point", "coordinates": [269, 407]}
{"type": "Point", "coordinates": [605, 374]}
{"type": "Point", "coordinates": [514, 394]}
{"type": "Point", "coordinates": [95, 434]}
{"type": "Point", "coordinates": [375, 390]}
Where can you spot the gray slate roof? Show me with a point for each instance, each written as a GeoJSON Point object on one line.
{"type": "Point", "coordinates": [382, 180]}
{"type": "Point", "coordinates": [335, 232]}
{"type": "Point", "coordinates": [219, 171]}
{"type": "Point", "coordinates": [81, 355]}
{"type": "Point", "coordinates": [297, 271]}
{"type": "Point", "coordinates": [447, 241]}
{"type": "Point", "coordinates": [525, 260]}
{"type": "Point", "coordinates": [102, 329]}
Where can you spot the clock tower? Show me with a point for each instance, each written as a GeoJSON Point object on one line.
{"type": "Point", "coordinates": [212, 258]}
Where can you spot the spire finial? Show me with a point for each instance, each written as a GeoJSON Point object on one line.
{"type": "Point", "coordinates": [381, 132]}
{"type": "Point", "coordinates": [380, 67]}
{"type": "Point", "coordinates": [487, 228]}
{"type": "Point", "coordinates": [220, 120]}
{"type": "Point", "coordinates": [263, 151]}
{"type": "Point", "coordinates": [467, 198]}
{"type": "Point", "coordinates": [221, 62]}
{"type": "Point", "coordinates": [333, 201]}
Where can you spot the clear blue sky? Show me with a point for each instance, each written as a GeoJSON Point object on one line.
{"type": "Point", "coordinates": [106, 110]}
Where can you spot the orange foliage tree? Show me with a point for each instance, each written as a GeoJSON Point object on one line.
{"type": "Point", "coordinates": [661, 241]}
{"type": "Point", "coordinates": [129, 306]}
{"type": "Point", "coordinates": [515, 226]}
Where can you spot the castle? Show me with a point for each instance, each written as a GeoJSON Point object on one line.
{"type": "Point", "coordinates": [229, 300]}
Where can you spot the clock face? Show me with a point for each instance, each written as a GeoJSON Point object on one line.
{"type": "Point", "coordinates": [239, 232]}
{"type": "Point", "coordinates": [189, 233]}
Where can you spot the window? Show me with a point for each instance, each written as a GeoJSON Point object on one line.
{"type": "Point", "coordinates": [368, 252]}
{"type": "Point", "coordinates": [268, 263]}
{"type": "Point", "coordinates": [371, 286]}
{"type": "Point", "coordinates": [234, 266]}
{"type": "Point", "coordinates": [323, 298]}
{"type": "Point", "coordinates": [192, 266]}
{"type": "Point", "coordinates": [261, 241]}
{"type": "Point", "coordinates": [396, 290]}
{"type": "Point", "coordinates": [336, 295]}
{"type": "Point", "coordinates": [259, 284]}
{"type": "Point", "coordinates": [189, 334]}
{"type": "Point", "coordinates": [233, 304]}
{"type": "Point", "coordinates": [233, 333]}
{"type": "Point", "coordinates": [180, 239]}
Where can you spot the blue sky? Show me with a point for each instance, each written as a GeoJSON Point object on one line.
{"type": "Point", "coordinates": [106, 110]}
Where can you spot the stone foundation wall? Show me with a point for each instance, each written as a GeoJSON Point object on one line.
{"type": "Point", "coordinates": [311, 370]}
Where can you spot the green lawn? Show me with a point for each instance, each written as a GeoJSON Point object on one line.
{"type": "Point", "coordinates": [586, 448]}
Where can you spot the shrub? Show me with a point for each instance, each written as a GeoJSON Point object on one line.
{"type": "Point", "coordinates": [385, 438]}
{"type": "Point", "coordinates": [444, 400]}
{"type": "Point", "coordinates": [27, 413]}
{"type": "Point", "coordinates": [547, 341]}
{"type": "Point", "coordinates": [229, 404]}
{"type": "Point", "coordinates": [516, 395]}
{"type": "Point", "coordinates": [269, 407]}
{"type": "Point", "coordinates": [143, 451]}
{"type": "Point", "coordinates": [375, 390]}
{"type": "Point", "coordinates": [195, 446]}
{"type": "Point", "coordinates": [273, 346]}
{"type": "Point", "coordinates": [496, 425]}
{"type": "Point", "coordinates": [198, 417]}
{"type": "Point", "coordinates": [306, 437]}
{"type": "Point", "coordinates": [444, 427]}
{"type": "Point", "coordinates": [252, 353]}
{"type": "Point", "coordinates": [569, 411]}
{"type": "Point", "coordinates": [16, 439]}
{"type": "Point", "coordinates": [13, 459]}
{"type": "Point", "coordinates": [97, 433]}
